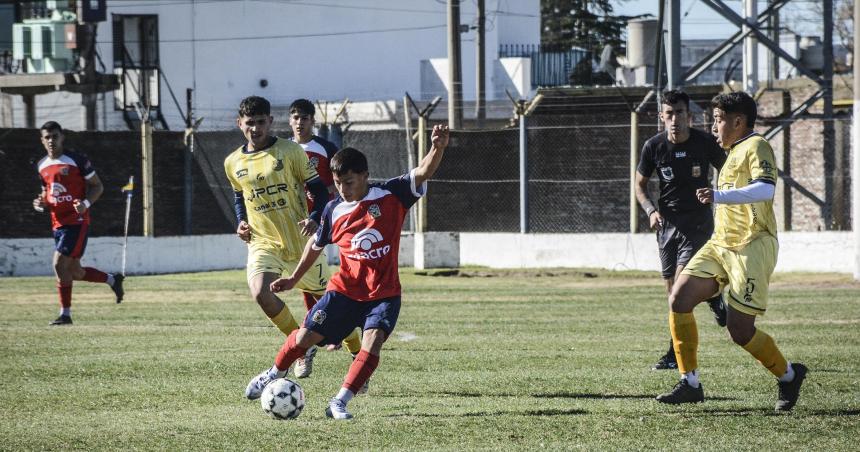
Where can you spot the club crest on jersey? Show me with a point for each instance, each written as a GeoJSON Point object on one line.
{"type": "Point", "coordinates": [363, 245]}
{"type": "Point", "coordinates": [667, 172]}
{"type": "Point", "coordinates": [279, 165]}
{"type": "Point", "coordinates": [766, 167]}
{"type": "Point", "coordinates": [697, 170]}
{"type": "Point", "coordinates": [319, 317]}
{"type": "Point", "coordinates": [374, 211]}
{"type": "Point", "coordinates": [241, 173]}
{"type": "Point", "coordinates": [64, 171]}
{"type": "Point", "coordinates": [314, 161]}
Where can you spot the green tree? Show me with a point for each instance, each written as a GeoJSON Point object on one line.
{"type": "Point", "coordinates": [587, 24]}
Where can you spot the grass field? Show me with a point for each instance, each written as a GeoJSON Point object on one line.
{"type": "Point", "coordinates": [499, 360]}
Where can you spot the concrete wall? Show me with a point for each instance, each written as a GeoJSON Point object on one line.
{"type": "Point", "coordinates": [799, 251]}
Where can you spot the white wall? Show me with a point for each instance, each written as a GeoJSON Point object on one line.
{"type": "Point", "coordinates": [799, 251]}
{"type": "Point", "coordinates": [332, 50]}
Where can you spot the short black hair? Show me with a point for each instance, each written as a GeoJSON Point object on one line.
{"type": "Point", "coordinates": [348, 159]}
{"type": "Point", "coordinates": [674, 96]}
{"type": "Point", "coordinates": [737, 102]}
{"type": "Point", "coordinates": [253, 106]}
{"type": "Point", "coordinates": [51, 126]}
{"type": "Point", "coordinates": [303, 107]}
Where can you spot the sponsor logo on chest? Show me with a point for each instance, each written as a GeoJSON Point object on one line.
{"type": "Point", "coordinates": [363, 245]}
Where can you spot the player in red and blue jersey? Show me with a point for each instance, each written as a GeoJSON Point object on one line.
{"type": "Point", "coordinates": [319, 152]}
{"type": "Point", "coordinates": [364, 222]}
{"type": "Point", "coordinates": [70, 186]}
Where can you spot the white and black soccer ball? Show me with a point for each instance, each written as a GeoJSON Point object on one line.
{"type": "Point", "coordinates": [283, 399]}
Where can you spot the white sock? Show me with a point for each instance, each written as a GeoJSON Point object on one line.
{"type": "Point", "coordinates": [692, 378]}
{"type": "Point", "coordinates": [66, 311]}
{"type": "Point", "coordinates": [788, 375]}
{"type": "Point", "coordinates": [110, 279]}
{"type": "Point", "coordinates": [345, 395]}
{"type": "Point", "coordinates": [274, 372]}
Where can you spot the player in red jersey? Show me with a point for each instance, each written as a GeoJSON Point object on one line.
{"type": "Point", "coordinates": [365, 223]}
{"type": "Point", "coordinates": [319, 152]}
{"type": "Point", "coordinates": [70, 186]}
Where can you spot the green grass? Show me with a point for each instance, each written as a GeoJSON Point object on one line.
{"type": "Point", "coordinates": [501, 360]}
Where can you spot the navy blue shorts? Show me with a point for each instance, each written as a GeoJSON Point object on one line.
{"type": "Point", "coordinates": [335, 316]}
{"type": "Point", "coordinates": [71, 240]}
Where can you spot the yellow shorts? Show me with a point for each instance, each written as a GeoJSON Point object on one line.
{"type": "Point", "coordinates": [263, 259]}
{"type": "Point", "coordinates": [746, 271]}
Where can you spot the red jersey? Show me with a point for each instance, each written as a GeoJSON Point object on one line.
{"type": "Point", "coordinates": [319, 152]}
{"type": "Point", "coordinates": [367, 233]}
{"type": "Point", "coordinates": [65, 180]}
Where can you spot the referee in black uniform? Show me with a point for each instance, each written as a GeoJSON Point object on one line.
{"type": "Point", "coordinates": [681, 156]}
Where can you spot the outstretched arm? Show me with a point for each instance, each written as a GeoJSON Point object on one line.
{"type": "Point", "coordinates": [430, 163]}
{"type": "Point", "coordinates": [309, 256]}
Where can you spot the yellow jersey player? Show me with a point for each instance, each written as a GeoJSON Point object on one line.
{"type": "Point", "coordinates": [269, 176]}
{"type": "Point", "coordinates": [741, 255]}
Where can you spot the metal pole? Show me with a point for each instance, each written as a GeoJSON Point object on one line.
{"type": "Point", "coordinates": [524, 167]}
{"type": "Point", "coordinates": [146, 141]}
{"type": "Point", "coordinates": [29, 110]}
{"type": "Point", "coordinates": [421, 225]}
{"type": "Point", "coordinates": [455, 74]}
{"type": "Point", "coordinates": [750, 63]}
{"type": "Point", "coordinates": [773, 58]}
{"type": "Point", "coordinates": [189, 153]}
{"type": "Point", "coordinates": [410, 154]}
{"type": "Point", "coordinates": [828, 132]}
{"type": "Point", "coordinates": [673, 45]}
{"type": "Point", "coordinates": [634, 154]}
{"type": "Point", "coordinates": [480, 96]}
{"type": "Point", "coordinates": [855, 132]}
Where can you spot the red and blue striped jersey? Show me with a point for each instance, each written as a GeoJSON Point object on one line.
{"type": "Point", "coordinates": [367, 233]}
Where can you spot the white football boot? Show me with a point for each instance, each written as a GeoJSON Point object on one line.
{"type": "Point", "coordinates": [337, 410]}
{"type": "Point", "coordinates": [258, 383]}
{"type": "Point", "coordinates": [305, 365]}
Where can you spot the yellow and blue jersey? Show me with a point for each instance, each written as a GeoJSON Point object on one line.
{"type": "Point", "coordinates": [271, 183]}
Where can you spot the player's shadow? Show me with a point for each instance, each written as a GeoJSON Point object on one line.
{"type": "Point", "coordinates": [545, 412]}
{"type": "Point", "coordinates": [585, 395]}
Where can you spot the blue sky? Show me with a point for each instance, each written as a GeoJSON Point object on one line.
{"type": "Point", "coordinates": [702, 22]}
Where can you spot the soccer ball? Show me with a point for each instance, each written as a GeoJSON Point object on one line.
{"type": "Point", "coordinates": [283, 399]}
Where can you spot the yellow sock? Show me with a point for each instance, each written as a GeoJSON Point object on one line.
{"type": "Point", "coordinates": [763, 348]}
{"type": "Point", "coordinates": [353, 342]}
{"type": "Point", "coordinates": [685, 338]}
{"type": "Point", "coordinates": [285, 322]}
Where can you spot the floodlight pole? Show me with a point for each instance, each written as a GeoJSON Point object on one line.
{"type": "Point", "coordinates": [673, 45]}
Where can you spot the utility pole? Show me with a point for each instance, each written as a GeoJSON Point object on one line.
{"type": "Point", "coordinates": [480, 43]}
{"type": "Point", "coordinates": [773, 58]}
{"type": "Point", "coordinates": [673, 45]}
{"type": "Point", "coordinates": [455, 74]}
{"type": "Point", "coordinates": [87, 44]}
{"type": "Point", "coordinates": [750, 60]}
{"type": "Point", "coordinates": [423, 116]}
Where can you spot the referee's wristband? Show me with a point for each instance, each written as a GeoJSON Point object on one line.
{"type": "Point", "coordinates": [87, 203]}
{"type": "Point", "coordinates": [650, 212]}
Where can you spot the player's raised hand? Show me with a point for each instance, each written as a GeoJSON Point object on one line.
{"type": "Point", "coordinates": [705, 195]}
{"type": "Point", "coordinates": [282, 284]}
{"type": "Point", "coordinates": [308, 227]}
{"type": "Point", "coordinates": [244, 231]}
{"type": "Point", "coordinates": [439, 136]}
